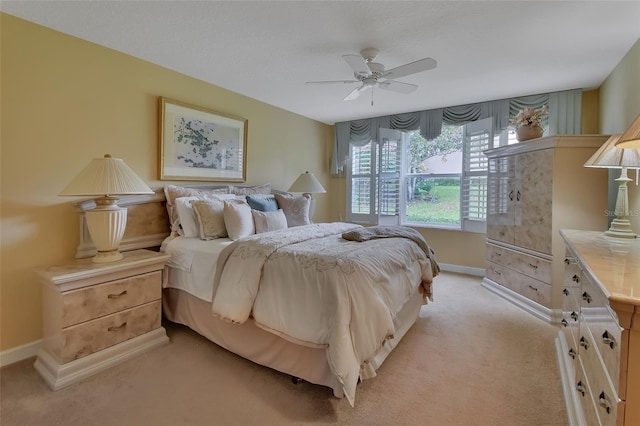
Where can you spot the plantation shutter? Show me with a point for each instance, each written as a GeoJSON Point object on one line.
{"type": "Point", "coordinates": [478, 137]}
{"type": "Point", "coordinates": [390, 165]}
{"type": "Point", "coordinates": [362, 183]}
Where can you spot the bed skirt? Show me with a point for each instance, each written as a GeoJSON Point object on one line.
{"type": "Point", "coordinates": [262, 347]}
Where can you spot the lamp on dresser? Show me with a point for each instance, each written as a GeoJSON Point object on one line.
{"type": "Point", "coordinates": [106, 178]}
{"type": "Point", "coordinates": [631, 137]}
{"type": "Point", "coordinates": [307, 184]}
{"type": "Point", "coordinates": [611, 156]}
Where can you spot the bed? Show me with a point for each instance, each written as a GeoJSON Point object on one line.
{"type": "Point", "coordinates": [322, 302]}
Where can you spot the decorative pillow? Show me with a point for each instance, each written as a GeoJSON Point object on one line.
{"type": "Point", "coordinates": [296, 209]}
{"type": "Point", "coordinates": [251, 190]}
{"type": "Point", "coordinates": [210, 217]}
{"type": "Point", "coordinates": [269, 221]}
{"type": "Point", "coordinates": [188, 226]}
{"type": "Point", "coordinates": [171, 192]}
{"type": "Point", "coordinates": [238, 219]}
{"type": "Point", "coordinates": [264, 203]}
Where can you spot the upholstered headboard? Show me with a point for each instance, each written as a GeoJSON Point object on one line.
{"type": "Point", "coordinates": [147, 220]}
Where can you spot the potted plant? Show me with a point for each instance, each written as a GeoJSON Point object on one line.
{"type": "Point", "coordinates": [529, 123]}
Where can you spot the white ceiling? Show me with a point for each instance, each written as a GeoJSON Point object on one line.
{"type": "Point", "coordinates": [266, 49]}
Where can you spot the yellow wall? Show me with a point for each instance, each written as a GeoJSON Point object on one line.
{"type": "Point", "coordinates": [619, 106]}
{"type": "Point", "coordinates": [65, 101]}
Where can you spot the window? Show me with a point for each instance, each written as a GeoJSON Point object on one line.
{"type": "Point", "coordinates": [403, 178]}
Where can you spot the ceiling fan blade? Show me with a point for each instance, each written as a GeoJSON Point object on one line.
{"type": "Point", "coordinates": [425, 64]}
{"type": "Point", "coordinates": [357, 64]}
{"type": "Point", "coordinates": [397, 86]}
{"type": "Point", "coordinates": [332, 82]}
{"type": "Point", "coordinates": [356, 92]}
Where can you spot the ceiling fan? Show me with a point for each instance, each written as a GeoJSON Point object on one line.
{"type": "Point", "coordinates": [371, 73]}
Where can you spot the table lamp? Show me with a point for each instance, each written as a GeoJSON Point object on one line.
{"type": "Point", "coordinates": [631, 137]}
{"type": "Point", "coordinates": [106, 178]}
{"type": "Point", "coordinates": [610, 156]}
{"type": "Point", "coordinates": [308, 184]}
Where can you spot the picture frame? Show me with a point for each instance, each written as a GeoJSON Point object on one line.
{"type": "Point", "coordinates": [200, 144]}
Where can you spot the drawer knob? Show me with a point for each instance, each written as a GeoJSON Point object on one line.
{"type": "Point", "coordinates": [608, 339]}
{"type": "Point", "coordinates": [115, 296]}
{"type": "Point", "coordinates": [575, 278]}
{"type": "Point", "coordinates": [581, 388]}
{"type": "Point", "coordinates": [603, 402]}
{"type": "Point", "coordinates": [565, 292]}
{"type": "Point", "coordinates": [572, 353]}
{"type": "Point", "coordinates": [584, 343]}
{"type": "Point", "coordinates": [574, 316]}
{"type": "Point", "coordinates": [586, 297]}
{"type": "Point", "coordinates": [567, 261]}
{"type": "Point", "coordinates": [117, 327]}
{"type": "Point", "coordinates": [564, 322]}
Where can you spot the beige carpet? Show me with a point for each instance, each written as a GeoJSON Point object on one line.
{"type": "Point", "coordinates": [471, 359]}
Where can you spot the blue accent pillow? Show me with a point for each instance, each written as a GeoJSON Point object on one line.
{"type": "Point", "coordinates": [263, 204]}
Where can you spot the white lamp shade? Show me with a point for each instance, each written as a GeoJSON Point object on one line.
{"type": "Point", "coordinates": [631, 137]}
{"type": "Point", "coordinates": [308, 184]}
{"type": "Point", "coordinates": [106, 176]}
{"type": "Point", "coordinates": [611, 156]}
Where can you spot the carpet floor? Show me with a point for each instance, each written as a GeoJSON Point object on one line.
{"type": "Point", "coordinates": [472, 358]}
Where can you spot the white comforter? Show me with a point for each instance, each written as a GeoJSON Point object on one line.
{"type": "Point", "coordinates": [312, 287]}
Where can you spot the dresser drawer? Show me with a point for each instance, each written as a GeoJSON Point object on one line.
{"type": "Point", "coordinates": [606, 335]}
{"type": "Point", "coordinates": [522, 284]}
{"type": "Point", "coordinates": [92, 336]}
{"type": "Point", "coordinates": [526, 264]}
{"type": "Point", "coordinates": [96, 301]}
{"type": "Point", "coordinates": [585, 396]}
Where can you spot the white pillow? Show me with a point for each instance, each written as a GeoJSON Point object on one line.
{"type": "Point", "coordinates": [269, 221]}
{"type": "Point", "coordinates": [188, 226]}
{"type": "Point", "coordinates": [210, 216]}
{"type": "Point", "coordinates": [296, 209]}
{"type": "Point", "coordinates": [238, 219]}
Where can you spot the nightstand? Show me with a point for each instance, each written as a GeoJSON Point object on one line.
{"type": "Point", "coordinates": [98, 315]}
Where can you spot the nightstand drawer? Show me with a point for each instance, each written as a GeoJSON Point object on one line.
{"type": "Point", "coordinates": [92, 336]}
{"type": "Point", "coordinates": [96, 301]}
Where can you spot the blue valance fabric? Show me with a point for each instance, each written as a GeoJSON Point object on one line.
{"type": "Point", "coordinates": [565, 112]}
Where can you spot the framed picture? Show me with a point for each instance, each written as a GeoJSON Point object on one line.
{"type": "Point", "coordinates": [199, 144]}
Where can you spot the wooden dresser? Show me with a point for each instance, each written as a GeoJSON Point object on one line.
{"type": "Point", "coordinates": [97, 315]}
{"type": "Point", "coordinates": [598, 346]}
{"type": "Point", "coordinates": [536, 188]}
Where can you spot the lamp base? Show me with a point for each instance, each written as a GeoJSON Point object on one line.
{"type": "Point", "coordinates": [106, 224]}
{"type": "Point", "coordinates": [620, 228]}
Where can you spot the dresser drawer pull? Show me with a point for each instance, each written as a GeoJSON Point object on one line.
{"type": "Point", "coordinates": [572, 353]}
{"type": "Point", "coordinates": [586, 297]}
{"type": "Point", "coordinates": [118, 327]}
{"type": "Point", "coordinates": [574, 316]}
{"type": "Point", "coordinates": [115, 296]}
{"type": "Point", "coordinates": [498, 254]}
{"type": "Point", "coordinates": [533, 266]}
{"type": "Point", "coordinates": [603, 401]}
{"type": "Point", "coordinates": [567, 261]}
{"type": "Point", "coordinates": [581, 388]}
{"type": "Point", "coordinates": [564, 322]}
{"type": "Point", "coordinates": [511, 195]}
{"type": "Point", "coordinates": [575, 278]}
{"type": "Point", "coordinates": [532, 288]}
{"type": "Point", "coordinates": [565, 292]}
{"type": "Point", "coordinates": [584, 343]}
{"type": "Point", "coordinates": [518, 195]}
{"type": "Point", "coordinates": [497, 272]}
{"type": "Point", "coordinates": [608, 339]}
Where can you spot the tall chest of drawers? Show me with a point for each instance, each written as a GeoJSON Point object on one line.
{"type": "Point", "coordinates": [598, 346]}
{"type": "Point", "coordinates": [535, 189]}
{"type": "Point", "coordinates": [97, 315]}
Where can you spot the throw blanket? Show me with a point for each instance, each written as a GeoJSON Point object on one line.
{"type": "Point", "coordinates": [375, 232]}
{"type": "Point", "coordinates": [310, 286]}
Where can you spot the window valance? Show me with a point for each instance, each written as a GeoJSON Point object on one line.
{"type": "Point", "coordinates": [565, 112]}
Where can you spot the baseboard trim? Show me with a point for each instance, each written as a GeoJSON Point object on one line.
{"type": "Point", "coordinates": [13, 355]}
{"type": "Point", "coordinates": [479, 272]}
{"type": "Point", "coordinates": [549, 315]}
